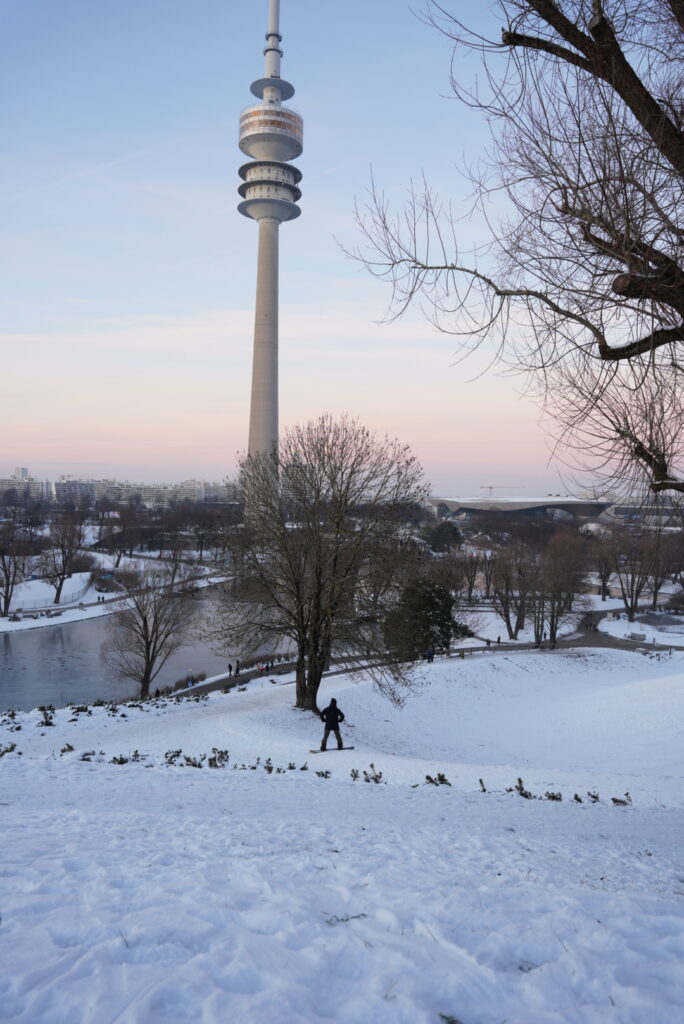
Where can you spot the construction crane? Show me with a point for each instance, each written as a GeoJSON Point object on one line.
{"type": "Point", "coordinates": [499, 487]}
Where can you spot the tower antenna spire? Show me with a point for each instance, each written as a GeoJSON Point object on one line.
{"type": "Point", "coordinates": [271, 134]}
{"type": "Point", "coordinates": [273, 53]}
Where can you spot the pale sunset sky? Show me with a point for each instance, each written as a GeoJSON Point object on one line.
{"type": "Point", "coordinates": [127, 276]}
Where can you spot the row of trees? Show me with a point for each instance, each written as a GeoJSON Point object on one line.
{"type": "Point", "coordinates": [39, 541]}
{"type": "Point", "coordinates": [539, 583]}
{"type": "Point", "coordinates": [330, 561]}
{"type": "Point", "coordinates": [54, 555]}
{"type": "Point", "coordinates": [170, 532]}
{"type": "Point", "coordinates": [638, 562]}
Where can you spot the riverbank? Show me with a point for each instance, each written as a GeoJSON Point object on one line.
{"type": "Point", "coordinates": [88, 607]}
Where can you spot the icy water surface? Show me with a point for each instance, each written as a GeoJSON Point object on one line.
{"type": "Point", "coordinates": [62, 664]}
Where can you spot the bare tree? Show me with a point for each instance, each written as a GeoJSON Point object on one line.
{"type": "Point", "coordinates": [321, 551]}
{"type": "Point", "coordinates": [487, 571]}
{"type": "Point", "coordinates": [448, 570]}
{"type": "Point", "coordinates": [511, 580]}
{"type": "Point", "coordinates": [32, 520]}
{"type": "Point", "coordinates": [124, 539]}
{"type": "Point", "coordinates": [603, 560]}
{"type": "Point", "coordinates": [16, 562]}
{"type": "Point", "coordinates": [65, 554]}
{"type": "Point", "coordinates": [584, 270]}
{"type": "Point", "coordinates": [666, 548]}
{"type": "Point", "coordinates": [557, 577]}
{"type": "Point", "coordinates": [635, 431]}
{"type": "Point", "coordinates": [471, 571]}
{"type": "Point", "coordinates": [202, 520]}
{"type": "Point", "coordinates": [153, 625]}
{"type": "Point", "coordinates": [633, 559]}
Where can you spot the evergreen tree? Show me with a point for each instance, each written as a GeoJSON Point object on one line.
{"type": "Point", "coordinates": [420, 621]}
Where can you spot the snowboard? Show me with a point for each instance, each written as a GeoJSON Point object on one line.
{"type": "Point", "coordinates": [330, 750]}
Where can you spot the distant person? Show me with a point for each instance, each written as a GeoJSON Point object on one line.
{"type": "Point", "coordinates": [230, 669]}
{"type": "Point", "coordinates": [332, 716]}
{"type": "Point", "coordinates": [237, 667]}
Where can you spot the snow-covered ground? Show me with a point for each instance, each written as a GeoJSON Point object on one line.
{"type": "Point", "coordinates": [39, 594]}
{"type": "Point", "coordinates": [487, 625]}
{"type": "Point", "coordinates": [656, 627]}
{"type": "Point", "coordinates": [261, 891]}
{"type": "Point", "coordinates": [87, 606]}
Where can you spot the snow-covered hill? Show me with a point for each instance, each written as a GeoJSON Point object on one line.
{"type": "Point", "coordinates": [264, 892]}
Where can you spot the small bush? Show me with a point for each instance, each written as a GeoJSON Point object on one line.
{"type": "Point", "coordinates": [618, 802]}
{"type": "Point", "coordinates": [520, 788]}
{"type": "Point", "coordinates": [194, 762]}
{"type": "Point", "coordinates": [48, 713]}
{"type": "Point", "coordinates": [439, 780]}
{"type": "Point", "coordinates": [373, 775]}
{"type": "Point", "coordinates": [218, 759]}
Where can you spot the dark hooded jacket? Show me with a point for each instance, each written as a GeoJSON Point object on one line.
{"type": "Point", "coordinates": [332, 716]}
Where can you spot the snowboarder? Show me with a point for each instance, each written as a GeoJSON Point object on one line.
{"type": "Point", "coordinates": [332, 716]}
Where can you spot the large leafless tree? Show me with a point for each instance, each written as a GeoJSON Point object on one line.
{"type": "Point", "coordinates": [322, 550]}
{"type": "Point", "coordinates": [581, 278]}
{"type": "Point", "coordinates": [64, 553]}
{"type": "Point", "coordinates": [17, 560]}
{"type": "Point", "coordinates": [153, 625]}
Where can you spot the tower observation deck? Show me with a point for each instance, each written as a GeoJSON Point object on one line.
{"type": "Point", "coordinates": [271, 134]}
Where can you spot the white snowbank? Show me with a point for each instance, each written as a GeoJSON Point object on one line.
{"type": "Point", "coordinates": [656, 628]}
{"type": "Point", "coordinates": [41, 594]}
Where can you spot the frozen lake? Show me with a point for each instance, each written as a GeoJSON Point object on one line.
{"type": "Point", "coordinates": [62, 664]}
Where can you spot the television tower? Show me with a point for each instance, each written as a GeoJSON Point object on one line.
{"type": "Point", "coordinates": [270, 134]}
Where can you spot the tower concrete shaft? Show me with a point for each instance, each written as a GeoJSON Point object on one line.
{"type": "Point", "coordinates": [263, 420]}
{"type": "Point", "coordinates": [271, 134]}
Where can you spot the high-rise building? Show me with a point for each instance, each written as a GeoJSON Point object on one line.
{"type": "Point", "coordinates": [271, 134]}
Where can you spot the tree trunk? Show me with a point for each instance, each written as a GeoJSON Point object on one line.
{"type": "Point", "coordinates": [300, 701]}
{"type": "Point", "coordinates": [519, 622]}
{"type": "Point", "coordinates": [312, 684]}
